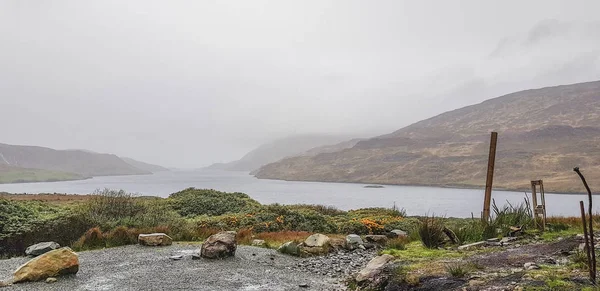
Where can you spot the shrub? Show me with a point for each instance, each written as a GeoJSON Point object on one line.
{"type": "Point", "coordinates": [431, 232]}
{"type": "Point", "coordinates": [458, 270]}
{"type": "Point", "coordinates": [91, 239]}
{"type": "Point", "coordinates": [109, 208]}
{"type": "Point", "coordinates": [120, 236]}
{"type": "Point", "coordinates": [507, 216]}
{"type": "Point", "coordinates": [194, 202]}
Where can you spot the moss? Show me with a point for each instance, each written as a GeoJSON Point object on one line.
{"type": "Point", "coordinates": [416, 252]}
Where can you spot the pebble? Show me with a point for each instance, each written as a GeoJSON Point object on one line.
{"type": "Point", "coordinates": [51, 280]}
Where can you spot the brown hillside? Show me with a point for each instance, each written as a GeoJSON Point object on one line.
{"type": "Point", "coordinates": [543, 134]}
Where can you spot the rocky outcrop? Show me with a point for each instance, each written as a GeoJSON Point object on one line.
{"type": "Point", "coordinates": [220, 245]}
{"type": "Point", "coordinates": [41, 248]}
{"type": "Point", "coordinates": [397, 233]}
{"type": "Point", "coordinates": [290, 248]}
{"type": "Point", "coordinates": [155, 239]}
{"type": "Point", "coordinates": [51, 264]}
{"type": "Point", "coordinates": [316, 240]}
{"type": "Point", "coordinates": [373, 269]}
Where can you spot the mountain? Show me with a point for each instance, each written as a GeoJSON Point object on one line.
{"type": "Point", "coordinates": [543, 134]}
{"type": "Point", "coordinates": [279, 149]}
{"type": "Point", "coordinates": [144, 166]}
{"type": "Point", "coordinates": [82, 163]}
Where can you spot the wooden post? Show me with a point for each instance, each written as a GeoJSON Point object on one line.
{"type": "Point", "coordinates": [590, 223]}
{"type": "Point", "coordinates": [534, 200]}
{"type": "Point", "coordinates": [490, 177]}
{"type": "Point", "coordinates": [587, 244]}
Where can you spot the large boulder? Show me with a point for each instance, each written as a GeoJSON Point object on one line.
{"type": "Point", "coordinates": [316, 240]}
{"type": "Point", "coordinates": [41, 248]}
{"type": "Point", "coordinates": [373, 268]}
{"type": "Point", "coordinates": [290, 248]}
{"type": "Point", "coordinates": [220, 245]}
{"type": "Point", "coordinates": [51, 264]}
{"type": "Point", "coordinates": [376, 239]}
{"type": "Point", "coordinates": [155, 239]}
{"type": "Point", "coordinates": [353, 241]}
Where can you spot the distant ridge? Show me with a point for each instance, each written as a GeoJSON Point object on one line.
{"type": "Point", "coordinates": [282, 148]}
{"type": "Point", "coordinates": [72, 164]}
{"type": "Point", "coordinates": [144, 166]}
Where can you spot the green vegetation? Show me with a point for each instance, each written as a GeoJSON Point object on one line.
{"type": "Point", "coordinates": [22, 175]}
{"type": "Point", "coordinates": [431, 232]}
{"type": "Point", "coordinates": [111, 218]}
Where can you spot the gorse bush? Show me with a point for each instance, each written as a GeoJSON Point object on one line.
{"type": "Point", "coordinates": [431, 232]}
{"type": "Point", "coordinates": [194, 202]}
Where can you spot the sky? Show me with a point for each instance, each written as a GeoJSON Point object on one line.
{"type": "Point", "coordinates": [189, 83]}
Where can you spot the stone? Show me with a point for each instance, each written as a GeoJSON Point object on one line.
{"type": "Point", "coordinates": [155, 239]}
{"type": "Point", "coordinates": [377, 239]}
{"type": "Point", "coordinates": [258, 242]}
{"type": "Point", "coordinates": [373, 268]}
{"type": "Point", "coordinates": [353, 241]}
{"type": "Point", "coordinates": [51, 280]}
{"type": "Point", "coordinates": [290, 248]}
{"type": "Point", "coordinates": [531, 266]}
{"type": "Point", "coordinates": [220, 245]}
{"type": "Point", "coordinates": [493, 240]}
{"type": "Point", "coordinates": [399, 233]}
{"type": "Point", "coordinates": [337, 243]}
{"type": "Point", "coordinates": [196, 256]}
{"type": "Point", "coordinates": [316, 240]}
{"type": "Point", "coordinates": [176, 258]}
{"type": "Point", "coordinates": [474, 283]}
{"type": "Point", "coordinates": [51, 264]}
{"type": "Point", "coordinates": [41, 248]}
{"type": "Point", "coordinates": [304, 285]}
{"type": "Point", "coordinates": [472, 246]}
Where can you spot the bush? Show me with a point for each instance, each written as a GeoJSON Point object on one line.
{"type": "Point", "coordinates": [91, 239]}
{"type": "Point", "coordinates": [194, 202]}
{"type": "Point", "coordinates": [120, 236]}
{"type": "Point", "coordinates": [508, 216]}
{"type": "Point", "coordinates": [431, 232]}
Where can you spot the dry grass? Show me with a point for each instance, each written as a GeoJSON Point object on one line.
{"type": "Point", "coordinates": [55, 199]}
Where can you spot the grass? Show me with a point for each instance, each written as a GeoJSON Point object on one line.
{"type": "Point", "coordinates": [431, 232]}
{"type": "Point", "coordinates": [416, 252]}
{"type": "Point", "coordinates": [10, 174]}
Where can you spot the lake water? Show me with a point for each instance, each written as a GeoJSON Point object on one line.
{"type": "Point", "coordinates": [416, 200]}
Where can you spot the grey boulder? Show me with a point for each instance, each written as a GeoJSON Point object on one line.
{"type": "Point", "coordinates": [41, 248]}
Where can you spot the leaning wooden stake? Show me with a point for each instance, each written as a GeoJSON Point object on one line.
{"type": "Point", "coordinates": [590, 222]}
{"type": "Point", "coordinates": [587, 244]}
{"type": "Point", "coordinates": [490, 177]}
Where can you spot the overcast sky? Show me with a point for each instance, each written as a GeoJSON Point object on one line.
{"type": "Point", "coordinates": [189, 83]}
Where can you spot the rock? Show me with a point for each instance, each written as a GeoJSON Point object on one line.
{"type": "Point", "coordinates": [399, 233]}
{"type": "Point", "coordinates": [531, 266]}
{"type": "Point", "coordinates": [493, 240]}
{"type": "Point", "coordinates": [290, 248]}
{"type": "Point", "coordinates": [176, 258]}
{"type": "Point", "coordinates": [5, 283]}
{"type": "Point", "coordinates": [337, 243]}
{"type": "Point", "coordinates": [472, 246]}
{"type": "Point", "coordinates": [304, 285]}
{"type": "Point", "coordinates": [368, 246]}
{"type": "Point", "coordinates": [258, 242]}
{"type": "Point", "coordinates": [373, 268]}
{"type": "Point", "coordinates": [41, 248]}
{"type": "Point", "coordinates": [53, 263]}
{"type": "Point", "coordinates": [196, 256]}
{"type": "Point", "coordinates": [353, 241]}
{"type": "Point", "coordinates": [155, 239]}
{"type": "Point", "coordinates": [51, 280]}
{"type": "Point", "coordinates": [377, 239]}
{"type": "Point", "coordinates": [317, 240]}
{"type": "Point", "coordinates": [220, 245]}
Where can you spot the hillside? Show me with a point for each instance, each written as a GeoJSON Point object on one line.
{"type": "Point", "coordinates": [144, 166]}
{"type": "Point", "coordinates": [11, 174]}
{"type": "Point", "coordinates": [279, 149]}
{"type": "Point", "coordinates": [81, 163]}
{"type": "Point", "coordinates": [543, 134]}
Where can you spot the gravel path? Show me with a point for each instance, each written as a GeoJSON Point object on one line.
{"type": "Point", "coordinates": [147, 268]}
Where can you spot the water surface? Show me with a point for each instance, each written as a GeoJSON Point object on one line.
{"type": "Point", "coordinates": [416, 200]}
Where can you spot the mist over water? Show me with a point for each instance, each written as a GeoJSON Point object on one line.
{"type": "Point", "coordinates": [416, 200]}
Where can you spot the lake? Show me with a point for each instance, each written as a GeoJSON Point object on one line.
{"type": "Point", "coordinates": [416, 200]}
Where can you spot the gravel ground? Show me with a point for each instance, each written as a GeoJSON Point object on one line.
{"type": "Point", "coordinates": [147, 268]}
